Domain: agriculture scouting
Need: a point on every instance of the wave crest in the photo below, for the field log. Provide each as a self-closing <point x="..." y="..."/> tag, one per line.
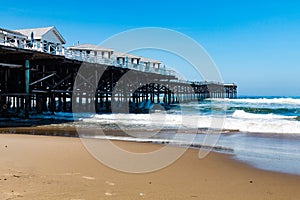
<point x="245" y="115"/>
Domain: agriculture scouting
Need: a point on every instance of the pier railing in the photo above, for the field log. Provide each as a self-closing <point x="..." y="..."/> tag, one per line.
<point x="114" y="62"/>
<point x="34" y="46"/>
<point x="76" y="55"/>
<point x="62" y="51"/>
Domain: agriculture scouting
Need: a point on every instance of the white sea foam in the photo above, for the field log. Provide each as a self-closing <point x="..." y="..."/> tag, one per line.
<point x="178" y="119"/>
<point x="150" y="121"/>
<point x="239" y="120"/>
<point x="262" y="123"/>
<point x="244" y="115"/>
<point x="263" y="100"/>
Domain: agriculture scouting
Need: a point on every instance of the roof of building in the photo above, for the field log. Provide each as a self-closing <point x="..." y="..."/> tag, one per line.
<point x="142" y="59"/>
<point x="123" y="55"/>
<point x="3" y="30"/>
<point x="39" y="32"/>
<point x="229" y="84"/>
<point x="149" y="60"/>
<point x="89" y="47"/>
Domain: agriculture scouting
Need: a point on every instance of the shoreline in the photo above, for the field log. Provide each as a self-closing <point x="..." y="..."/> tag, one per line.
<point x="49" y="167"/>
<point x="137" y="136"/>
<point x="114" y="135"/>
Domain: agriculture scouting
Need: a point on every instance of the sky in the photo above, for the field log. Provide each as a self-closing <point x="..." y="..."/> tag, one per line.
<point x="255" y="44"/>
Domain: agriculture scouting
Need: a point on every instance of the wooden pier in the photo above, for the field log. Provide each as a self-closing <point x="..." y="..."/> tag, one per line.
<point x="35" y="82"/>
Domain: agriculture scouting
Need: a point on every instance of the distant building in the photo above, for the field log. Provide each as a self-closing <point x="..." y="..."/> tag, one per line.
<point x="12" y="38"/>
<point x="150" y="63"/>
<point x="89" y="53"/>
<point x="46" y="39"/>
<point x="125" y="58"/>
<point x="136" y="62"/>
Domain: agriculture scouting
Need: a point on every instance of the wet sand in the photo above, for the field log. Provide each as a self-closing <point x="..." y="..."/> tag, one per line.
<point x="49" y="167"/>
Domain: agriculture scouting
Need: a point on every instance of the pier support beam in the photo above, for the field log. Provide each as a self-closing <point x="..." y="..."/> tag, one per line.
<point x="27" y="97"/>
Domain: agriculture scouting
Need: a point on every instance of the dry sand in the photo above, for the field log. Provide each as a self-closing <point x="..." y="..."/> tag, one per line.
<point x="48" y="167"/>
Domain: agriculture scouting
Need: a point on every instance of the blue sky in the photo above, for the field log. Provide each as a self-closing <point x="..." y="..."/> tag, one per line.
<point x="254" y="44"/>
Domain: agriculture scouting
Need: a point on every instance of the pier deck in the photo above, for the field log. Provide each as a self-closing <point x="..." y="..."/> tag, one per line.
<point x="35" y="82"/>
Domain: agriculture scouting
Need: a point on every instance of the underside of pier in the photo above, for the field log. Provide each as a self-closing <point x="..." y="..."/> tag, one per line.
<point x="36" y="82"/>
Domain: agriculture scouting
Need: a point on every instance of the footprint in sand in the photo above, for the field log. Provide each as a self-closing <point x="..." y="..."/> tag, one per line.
<point x="77" y="199"/>
<point x="10" y="195"/>
<point x="108" y="194"/>
<point x="70" y="174"/>
<point x="88" y="177"/>
<point x="110" y="183"/>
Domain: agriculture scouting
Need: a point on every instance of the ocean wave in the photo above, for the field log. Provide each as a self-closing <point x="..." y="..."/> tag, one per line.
<point x="291" y="101"/>
<point x="239" y="120"/>
<point x="267" y="110"/>
<point x="262" y="123"/>
<point x="245" y="115"/>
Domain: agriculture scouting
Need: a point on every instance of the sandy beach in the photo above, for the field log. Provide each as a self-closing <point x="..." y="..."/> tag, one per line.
<point x="49" y="167"/>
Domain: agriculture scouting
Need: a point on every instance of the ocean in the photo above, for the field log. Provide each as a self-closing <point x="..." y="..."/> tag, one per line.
<point x="261" y="131"/>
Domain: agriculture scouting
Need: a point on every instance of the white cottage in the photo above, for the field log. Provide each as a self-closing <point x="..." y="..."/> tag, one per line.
<point x="90" y="53"/>
<point x="150" y="64"/>
<point x="46" y="39"/>
<point x="137" y="62"/>
<point x="12" y="38"/>
<point x="125" y="58"/>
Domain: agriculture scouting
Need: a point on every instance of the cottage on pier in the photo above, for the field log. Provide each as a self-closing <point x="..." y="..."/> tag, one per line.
<point x="47" y="40"/>
<point x="126" y="59"/>
<point x="151" y="64"/>
<point x="89" y="53"/>
<point x="137" y="62"/>
<point x="12" y="38"/>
